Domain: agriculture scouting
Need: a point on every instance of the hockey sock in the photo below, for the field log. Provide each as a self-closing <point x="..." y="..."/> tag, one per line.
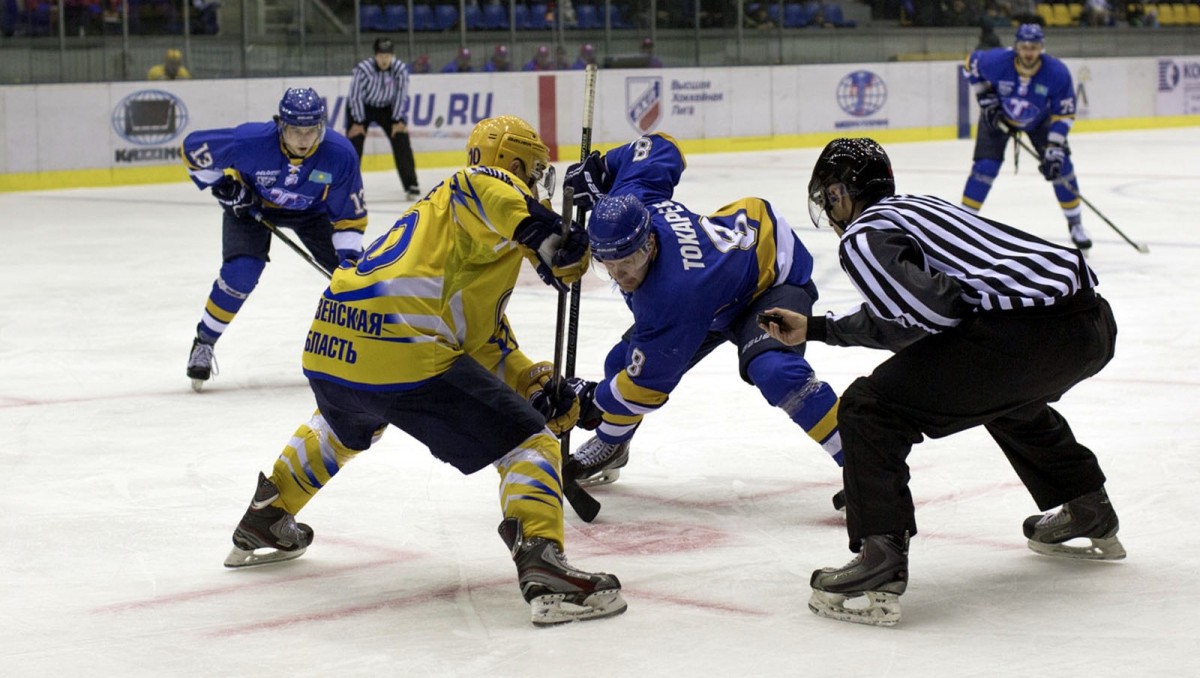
<point x="983" y="173"/>
<point x="787" y="381"/>
<point x="310" y="460"/>
<point x="233" y="285"/>
<point x="531" y="486"/>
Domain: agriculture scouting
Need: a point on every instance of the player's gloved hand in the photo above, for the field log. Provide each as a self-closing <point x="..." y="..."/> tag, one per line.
<point x="990" y="110"/>
<point x="1052" y="161"/>
<point x="590" y="180"/>
<point x="237" y="199"/>
<point x="349" y="256"/>
<point x="559" y="260"/>
<point x="553" y="398"/>
<point x="590" y="414"/>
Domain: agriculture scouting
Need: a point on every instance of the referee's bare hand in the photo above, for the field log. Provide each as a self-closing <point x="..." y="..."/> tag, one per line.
<point x="791" y="331"/>
<point x="399" y="128"/>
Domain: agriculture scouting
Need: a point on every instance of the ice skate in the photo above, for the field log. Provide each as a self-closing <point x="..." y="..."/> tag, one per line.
<point x="202" y="364"/>
<point x="413" y="193"/>
<point x="878" y="575"/>
<point x="267" y="527"/>
<point x="598" y="463"/>
<point x="1089" y="517"/>
<point x="1079" y="236"/>
<point x="556" y="592"/>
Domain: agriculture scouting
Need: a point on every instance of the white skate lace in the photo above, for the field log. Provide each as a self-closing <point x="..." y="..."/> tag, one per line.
<point x="202" y="356"/>
<point x="594" y="452"/>
<point x="1055" y="518"/>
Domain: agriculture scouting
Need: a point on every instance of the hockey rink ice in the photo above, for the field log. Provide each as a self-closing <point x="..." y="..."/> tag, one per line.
<point x="121" y="486"/>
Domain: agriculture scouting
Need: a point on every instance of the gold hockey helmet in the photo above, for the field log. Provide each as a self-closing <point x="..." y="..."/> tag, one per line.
<point x="495" y="142"/>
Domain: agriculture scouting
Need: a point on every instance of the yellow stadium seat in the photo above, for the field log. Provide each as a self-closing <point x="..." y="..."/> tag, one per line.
<point x="1046" y="12"/>
<point x="1062" y="16"/>
<point x="1179" y="11"/>
<point x="1166" y="15"/>
<point x="1074" y="10"/>
<point x="1193" y="14"/>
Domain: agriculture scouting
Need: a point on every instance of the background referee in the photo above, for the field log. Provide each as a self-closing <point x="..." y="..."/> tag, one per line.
<point x="379" y="94"/>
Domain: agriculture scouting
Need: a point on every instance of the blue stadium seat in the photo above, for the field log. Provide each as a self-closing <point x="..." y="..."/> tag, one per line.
<point x="833" y="14"/>
<point x="538" y="17"/>
<point x="615" y="19"/>
<point x="395" y="18"/>
<point x="794" y="16"/>
<point x="423" y="18"/>
<point x="473" y="18"/>
<point x="521" y="17"/>
<point x="445" y="17"/>
<point x="587" y="18"/>
<point x="495" y="17"/>
<point x="773" y="12"/>
<point x="370" y="18"/>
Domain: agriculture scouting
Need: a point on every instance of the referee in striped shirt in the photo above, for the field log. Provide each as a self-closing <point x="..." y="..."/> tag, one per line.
<point x="379" y="94"/>
<point x="989" y="325"/>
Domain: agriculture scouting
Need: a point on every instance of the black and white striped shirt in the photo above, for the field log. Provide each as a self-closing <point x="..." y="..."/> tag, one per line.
<point x="921" y="262"/>
<point x="370" y="86"/>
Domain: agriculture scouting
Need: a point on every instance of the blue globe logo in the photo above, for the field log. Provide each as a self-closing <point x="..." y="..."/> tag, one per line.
<point x="861" y="93"/>
<point x="149" y="117"/>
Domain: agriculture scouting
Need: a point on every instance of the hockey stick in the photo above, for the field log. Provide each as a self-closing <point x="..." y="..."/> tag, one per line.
<point x="291" y="243"/>
<point x="1141" y="247"/>
<point x="585" y="505"/>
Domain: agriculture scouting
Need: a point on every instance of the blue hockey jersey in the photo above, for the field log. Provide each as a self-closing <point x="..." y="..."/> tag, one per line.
<point x="706" y="271"/>
<point x="1028" y="97"/>
<point x="327" y="180"/>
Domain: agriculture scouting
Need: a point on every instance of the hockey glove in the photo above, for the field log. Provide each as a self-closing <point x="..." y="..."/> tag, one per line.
<point x="589" y="179"/>
<point x="557" y="402"/>
<point x="560" y="261"/>
<point x="991" y="112"/>
<point x="237" y="199"/>
<point x="590" y="414"/>
<point x="1052" y="162"/>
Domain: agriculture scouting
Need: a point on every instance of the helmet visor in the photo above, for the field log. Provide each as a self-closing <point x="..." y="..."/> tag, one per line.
<point x="544" y="179"/>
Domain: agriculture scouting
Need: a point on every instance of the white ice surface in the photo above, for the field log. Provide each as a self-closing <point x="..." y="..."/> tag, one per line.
<point x="120" y="487"/>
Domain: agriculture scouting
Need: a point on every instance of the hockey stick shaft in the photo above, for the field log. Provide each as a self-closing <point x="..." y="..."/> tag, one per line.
<point x="292" y="244"/>
<point x="1141" y="247"/>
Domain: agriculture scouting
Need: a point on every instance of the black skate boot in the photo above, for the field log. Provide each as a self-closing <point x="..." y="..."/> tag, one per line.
<point x="1088" y="517"/>
<point x="202" y="365"/>
<point x="1079" y="235"/>
<point x="556" y="592"/>
<point x="267" y="527"/>
<point x="839" y="501"/>
<point x="879" y="572"/>
<point x="597" y="462"/>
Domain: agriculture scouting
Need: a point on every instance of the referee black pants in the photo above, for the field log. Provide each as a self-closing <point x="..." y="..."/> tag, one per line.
<point x="999" y="370"/>
<point x="402" y="153"/>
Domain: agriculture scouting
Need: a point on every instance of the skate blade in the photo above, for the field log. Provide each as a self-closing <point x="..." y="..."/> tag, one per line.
<point x="552" y="609"/>
<point x="880" y="609"/>
<point x="242" y="558"/>
<point x="605" y="477"/>
<point x="1099" y="549"/>
<point x="198" y="385"/>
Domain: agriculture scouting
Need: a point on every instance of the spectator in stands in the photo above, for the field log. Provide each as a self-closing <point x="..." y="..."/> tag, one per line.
<point x="422" y="65"/>
<point x="818" y="20"/>
<point x="587" y="55"/>
<point x="171" y="68"/>
<point x="560" y="58"/>
<point x="959" y="13"/>
<point x="987" y="38"/>
<point x="206" y="17"/>
<point x="757" y="17"/>
<point x="461" y="63"/>
<point x="540" y="61"/>
<point x="498" y="62"/>
<point x="1025" y="12"/>
<point x="648" y="54"/>
<point x="996" y="15"/>
<point x="1096" y="13"/>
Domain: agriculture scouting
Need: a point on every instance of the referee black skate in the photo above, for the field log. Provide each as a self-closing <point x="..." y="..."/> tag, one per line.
<point x="989" y="326"/>
<point x="379" y="94"/>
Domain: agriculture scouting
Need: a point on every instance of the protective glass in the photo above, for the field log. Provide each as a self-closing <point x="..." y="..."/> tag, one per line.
<point x="821" y="199"/>
<point x="544" y="178"/>
<point x="297" y="138"/>
<point x="626" y="269"/>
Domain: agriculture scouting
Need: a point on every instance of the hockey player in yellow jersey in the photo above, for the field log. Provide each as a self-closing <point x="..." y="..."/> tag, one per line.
<point x="415" y="335"/>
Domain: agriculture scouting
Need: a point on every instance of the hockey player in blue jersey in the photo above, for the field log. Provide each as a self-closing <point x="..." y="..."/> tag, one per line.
<point x="1022" y="89"/>
<point x="693" y="283"/>
<point x="293" y="173"/>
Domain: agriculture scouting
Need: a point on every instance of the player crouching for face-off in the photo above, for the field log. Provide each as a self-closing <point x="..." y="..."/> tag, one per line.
<point x="415" y="335"/>
<point x="977" y="343"/>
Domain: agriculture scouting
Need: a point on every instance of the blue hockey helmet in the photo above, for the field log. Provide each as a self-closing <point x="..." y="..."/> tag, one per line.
<point x="1030" y="33"/>
<point x="302" y="108"/>
<point x="619" y="227"/>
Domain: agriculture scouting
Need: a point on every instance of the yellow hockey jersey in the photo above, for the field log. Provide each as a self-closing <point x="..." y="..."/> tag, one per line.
<point x="430" y="290"/>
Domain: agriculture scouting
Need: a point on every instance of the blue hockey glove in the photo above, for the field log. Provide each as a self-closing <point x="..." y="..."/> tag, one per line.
<point x="590" y="414"/>
<point x="1052" y="162"/>
<point x="589" y="179"/>
<point x="237" y="199"/>
<point x="559" y="261"/>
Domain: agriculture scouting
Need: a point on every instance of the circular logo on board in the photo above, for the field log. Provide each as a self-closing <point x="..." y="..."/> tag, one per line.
<point x="149" y="117"/>
<point x="861" y="93"/>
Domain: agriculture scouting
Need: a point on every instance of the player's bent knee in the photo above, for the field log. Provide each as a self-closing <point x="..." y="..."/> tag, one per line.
<point x="242" y="273"/>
